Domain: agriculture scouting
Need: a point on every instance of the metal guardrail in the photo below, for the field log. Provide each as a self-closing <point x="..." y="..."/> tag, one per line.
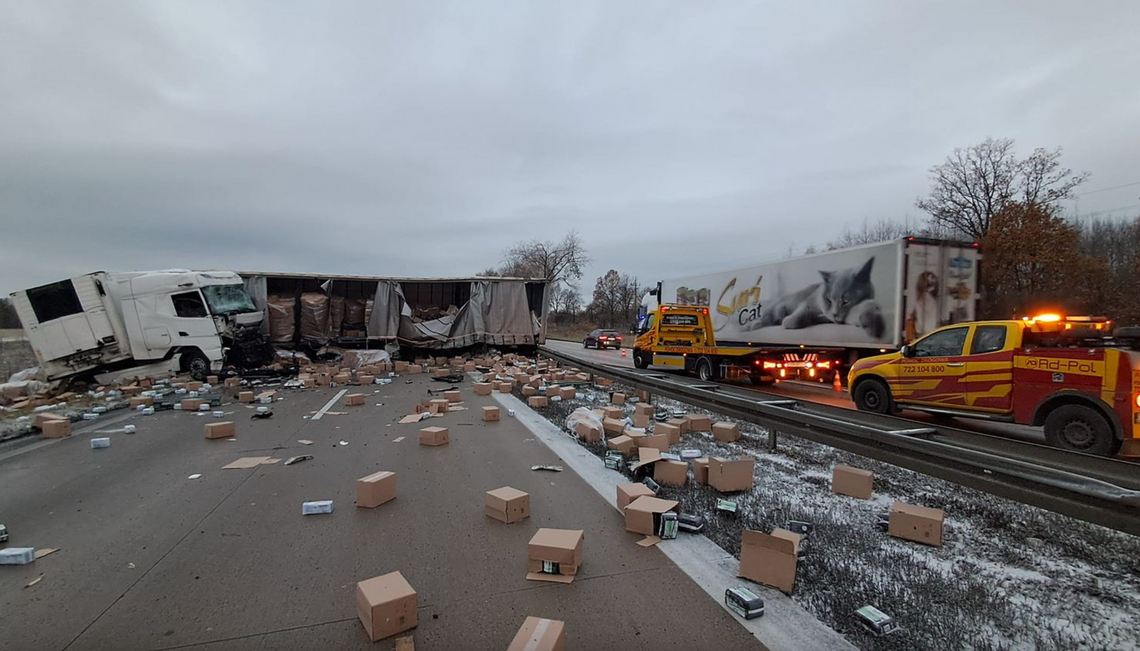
<point x="1096" y="499"/>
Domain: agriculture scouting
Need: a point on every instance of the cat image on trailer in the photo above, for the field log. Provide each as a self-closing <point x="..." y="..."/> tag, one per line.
<point x="846" y="296"/>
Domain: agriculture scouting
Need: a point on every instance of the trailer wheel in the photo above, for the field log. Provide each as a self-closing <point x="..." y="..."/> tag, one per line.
<point x="639" y="359"/>
<point x="705" y="369"/>
<point x="873" y="396"/>
<point x="196" y="364"/>
<point x="1080" y="428"/>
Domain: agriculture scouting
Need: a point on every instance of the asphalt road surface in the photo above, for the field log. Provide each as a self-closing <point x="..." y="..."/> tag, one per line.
<point x="822" y="394"/>
<point x="150" y="559"/>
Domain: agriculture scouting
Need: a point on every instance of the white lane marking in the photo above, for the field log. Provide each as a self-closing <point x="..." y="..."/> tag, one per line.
<point x="329" y="404"/>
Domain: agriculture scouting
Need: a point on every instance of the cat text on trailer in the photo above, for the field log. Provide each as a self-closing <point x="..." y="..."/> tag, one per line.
<point x="810" y="316"/>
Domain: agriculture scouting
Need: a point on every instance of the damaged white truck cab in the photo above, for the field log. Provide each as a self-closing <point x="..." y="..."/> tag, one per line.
<point x="105" y="320"/>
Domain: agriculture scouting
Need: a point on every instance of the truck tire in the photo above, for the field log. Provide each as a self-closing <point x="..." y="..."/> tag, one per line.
<point x="196" y="364"/>
<point x="1080" y="428"/>
<point x="873" y="396"/>
<point x="639" y="359"/>
<point x="705" y="370"/>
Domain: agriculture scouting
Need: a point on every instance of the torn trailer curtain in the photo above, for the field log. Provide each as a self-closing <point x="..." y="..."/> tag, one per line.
<point x="255" y="287"/>
<point x="497" y="313"/>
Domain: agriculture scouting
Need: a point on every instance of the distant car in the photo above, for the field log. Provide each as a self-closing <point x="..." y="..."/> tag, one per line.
<point x="602" y="339"/>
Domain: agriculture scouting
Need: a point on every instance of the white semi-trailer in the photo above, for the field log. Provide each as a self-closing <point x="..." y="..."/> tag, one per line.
<point x="106" y="320"/>
<point x="812" y="315"/>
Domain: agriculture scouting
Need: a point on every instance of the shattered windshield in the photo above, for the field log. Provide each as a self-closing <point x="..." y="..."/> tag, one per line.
<point x="227" y="299"/>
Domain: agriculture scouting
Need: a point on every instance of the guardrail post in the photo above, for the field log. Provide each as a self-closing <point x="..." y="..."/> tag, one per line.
<point x="772" y="434"/>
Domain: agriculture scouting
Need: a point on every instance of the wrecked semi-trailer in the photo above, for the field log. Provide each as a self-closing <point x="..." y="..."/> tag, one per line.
<point x="412" y="314"/>
<point x="101" y="321"/>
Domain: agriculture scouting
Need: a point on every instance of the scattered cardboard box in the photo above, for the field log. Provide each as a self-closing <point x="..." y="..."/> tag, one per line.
<point x="671" y="473"/>
<point x="770" y="559"/>
<point x="453" y="396"/>
<point x="641" y="421"/>
<point x="613" y="425"/>
<point x="854" y="482"/>
<point x="730" y="476"/>
<point x="434" y="436"/>
<point x="644" y="409"/>
<point x="529" y="391"/>
<point x="342" y="378"/>
<point x="553" y="391"/>
<point x="222" y="430"/>
<point x="698" y="422"/>
<point x="482" y="388"/>
<point x="917" y="523"/>
<point x="554" y="555"/>
<point x="414" y="369"/>
<point x="671" y="432"/>
<point x="364" y="378"/>
<point x="490" y="414"/>
<point x="613" y="412"/>
<point x="701" y="471"/>
<point x="507" y="504"/>
<point x="618" y="398"/>
<point x="643" y="515"/>
<point x="232" y="382"/>
<point x="726" y="432"/>
<point x="386" y="605"/>
<point x="141" y="401"/>
<point x="191" y="404"/>
<point x="538" y="634"/>
<point x="659" y="441"/>
<point x="569" y="393"/>
<point x="588" y="432"/>
<point x="193" y="386"/>
<point x="506" y="387"/>
<point x="627" y="493"/>
<point x="646" y="456"/>
<point x="375" y="489"/>
<point x="56" y="428"/>
<point x="537" y="401"/>
<point x="623" y="444"/>
<point x="245" y="396"/>
<point x="680" y="423"/>
<point x="354" y="400"/>
<point x="439" y="405"/>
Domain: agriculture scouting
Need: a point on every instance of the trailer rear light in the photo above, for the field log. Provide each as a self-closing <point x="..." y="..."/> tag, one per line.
<point x="783" y="373"/>
<point x="824" y="364"/>
<point x="811" y="372"/>
<point x="705" y="310"/>
<point x="808" y="364"/>
<point x="768" y="364"/>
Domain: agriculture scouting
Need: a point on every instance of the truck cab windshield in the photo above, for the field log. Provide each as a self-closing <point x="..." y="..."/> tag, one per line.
<point x="227" y="299"/>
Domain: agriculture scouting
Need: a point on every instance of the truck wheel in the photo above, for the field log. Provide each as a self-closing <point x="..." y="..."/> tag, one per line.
<point x="705" y="369"/>
<point x="196" y="364"/>
<point x="873" y="396"/>
<point x="1080" y="428"/>
<point x="639" y="359"/>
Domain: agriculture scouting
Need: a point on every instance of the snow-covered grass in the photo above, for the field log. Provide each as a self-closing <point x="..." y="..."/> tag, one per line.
<point x="1008" y="576"/>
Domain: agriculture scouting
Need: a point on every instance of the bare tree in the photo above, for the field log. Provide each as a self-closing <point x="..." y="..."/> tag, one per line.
<point x="1115" y="246"/>
<point x="974" y="184"/>
<point x="490" y="272"/>
<point x="880" y="231"/>
<point x="606" y="306"/>
<point x="555" y="261"/>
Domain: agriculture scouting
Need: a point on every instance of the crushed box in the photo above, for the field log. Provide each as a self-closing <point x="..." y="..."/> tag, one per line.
<point x="726" y="432"/>
<point x="222" y="430"/>
<point x="917" y="523"/>
<point x="854" y="482"/>
<point x="670" y="473"/>
<point x="588" y="432"/>
<point x="386" y="605"/>
<point x="490" y="414"/>
<point x="375" y="489"/>
<point x="439" y="405"/>
<point x="730" y="476"/>
<point x="538" y="634"/>
<point x="770" y="559"/>
<point x="507" y="504"/>
<point x="627" y="493"/>
<point x="434" y="436"/>
<point x="554" y="555"/>
<point x="643" y="515"/>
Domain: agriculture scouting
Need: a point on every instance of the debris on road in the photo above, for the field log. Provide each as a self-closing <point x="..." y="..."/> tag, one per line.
<point x="249" y="462"/>
<point x="649" y="541"/>
<point x="538" y="634"/>
<point x="554" y="555"/>
<point x="317" y="507"/>
<point x="876" y="621"/>
<point x="195" y="476"/>
<point x="386" y="605"/>
<point x="304" y="441"/>
<point x="342" y="443"/>
<point x="507" y="504"/>
<point x="398" y="439"/>
<point x="744" y="602"/>
<point x="34" y="581"/>
<point x="298" y="459"/>
<point x="100" y="443"/>
<point x="375" y="489"/>
<point x="17" y="555"/>
<point x="547" y="467"/>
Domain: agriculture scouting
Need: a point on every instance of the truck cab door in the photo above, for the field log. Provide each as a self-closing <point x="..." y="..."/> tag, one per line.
<point x="192" y="324"/>
<point x="935" y="373"/>
<point x="989" y="369"/>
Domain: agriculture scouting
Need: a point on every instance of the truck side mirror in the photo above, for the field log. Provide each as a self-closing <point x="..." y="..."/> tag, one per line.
<point x="907" y="351"/>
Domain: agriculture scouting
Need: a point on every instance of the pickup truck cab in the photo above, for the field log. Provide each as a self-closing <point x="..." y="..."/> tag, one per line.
<point x="1064" y="374"/>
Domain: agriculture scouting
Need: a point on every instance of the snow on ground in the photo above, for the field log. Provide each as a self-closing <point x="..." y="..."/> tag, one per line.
<point x="1008" y="576"/>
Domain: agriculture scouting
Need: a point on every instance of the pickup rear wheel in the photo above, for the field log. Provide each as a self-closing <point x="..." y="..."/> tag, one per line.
<point x="1080" y="428"/>
<point x="705" y="369"/>
<point x="639" y="359"/>
<point x="873" y="396"/>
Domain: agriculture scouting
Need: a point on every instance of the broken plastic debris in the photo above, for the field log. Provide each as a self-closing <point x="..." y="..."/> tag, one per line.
<point x="203" y="407"/>
<point x="262" y="415"/>
<point x="148" y="411"/>
<point x="511" y="413"/>
<point x="40" y="553"/>
<point x="801" y="527"/>
<point x="304" y="441"/>
<point x="398" y="439"/>
<point x="90" y="416"/>
<point x="195" y="475"/>
<point x="344" y="443"/>
<point x="34" y="581"/>
<point x="99" y="410"/>
<point x="298" y="459"/>
<point x="547" y="467"/>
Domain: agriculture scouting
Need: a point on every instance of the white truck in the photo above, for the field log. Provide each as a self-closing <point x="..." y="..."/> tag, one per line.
<point x="810" y="316"/>
<point x="102" y="321"/>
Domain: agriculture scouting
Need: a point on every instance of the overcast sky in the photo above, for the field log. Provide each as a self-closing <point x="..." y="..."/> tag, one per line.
<point x="421" y="138"/>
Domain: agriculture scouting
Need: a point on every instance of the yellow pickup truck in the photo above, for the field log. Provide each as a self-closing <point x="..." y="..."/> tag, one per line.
<point x="1065" y="374"/>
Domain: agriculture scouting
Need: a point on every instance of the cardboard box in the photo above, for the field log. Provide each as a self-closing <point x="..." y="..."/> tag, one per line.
<point x="680" y="423"/>
<point x="603" y="382"/>
<point x="222" y="430"/>
<point x="613" y="425"/>
<point x="569" y="393"/>
<point x="726" y="432"/>
<point x="507" y="504"/>
<point x="267" y="396"/>
<point x="245" y="396"/>
<point x="375" y="489"/>
<point x="342" y="378"/>
<point x="468" y="367"/>
<point x="636" y="434"/>
<point x="671" y="473"/>
<point x="731" y="476"/>
<point x="769" y="559"/>
<point x="670" y="432"/>
<point x="482" y="388"/>
<point x="453" y="396"/>
<point x="193" y="386"/>
<point x="618" y="398"/>
<point x="529" y="391"/>
<point x="855" y="482"/>
<point x="441" y="372"/>
<point x="698" y="422"/>
<point x="415" y="369"/>
<point x="701" y="471"/>
<point x="643" y="408"/>
<point x="537" y="401"/>
<point x="641" y="421"/>
<point x="401" y="367"/>
<point x="434" y="436"/>
<point x="140" y="401"/>
<point x="917" y="523"/>
<point x="232" y="382"/>
<point x="627" y="493"/>
<point x="56" y="428"/>
<point x="386" y="605"/>
<point x="539" y="634"/>
<point x="323" y="379"/>
<point x="192" y="404"/>
<point x="45" y="416"/>
<point x="439" y="405"/>
<point x="364" y="378"/>
<point x="212" y="380"/>
<point x="622" y="444"/>
<point x="643" y="515"/>
<point x="495" y="385"/>
<point x="613" y="412"/>
<point x="553" y="390"/>
<point x="309" y="383"/>
<point x="561" y="547"/>
<point x="506" y="387"/>
<point x="587" y="432"/>
<point x="658" y="441"/>
<point x="490" y="414"/>
<point x="354" y="400"/>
